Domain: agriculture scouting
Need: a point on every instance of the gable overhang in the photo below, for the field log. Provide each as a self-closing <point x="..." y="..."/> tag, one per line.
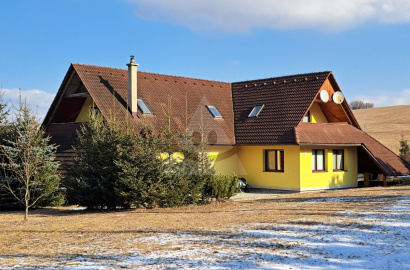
<point x="57" y="99"/>
<point x="341" y="111"/>
<point x="375" y="161"/>
<point x="330" y="144"/>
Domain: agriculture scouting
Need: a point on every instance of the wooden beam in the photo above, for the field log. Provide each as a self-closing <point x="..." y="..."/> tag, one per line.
<point x="85" y="94"/>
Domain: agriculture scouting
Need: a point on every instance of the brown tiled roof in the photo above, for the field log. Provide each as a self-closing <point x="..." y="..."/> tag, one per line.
<point x="286" y="100"/>
<point x="108" y="88"/>
<point x="333" y="134"/>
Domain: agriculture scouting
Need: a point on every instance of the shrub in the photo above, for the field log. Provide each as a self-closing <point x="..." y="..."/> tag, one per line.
<point x="221" y="187"/>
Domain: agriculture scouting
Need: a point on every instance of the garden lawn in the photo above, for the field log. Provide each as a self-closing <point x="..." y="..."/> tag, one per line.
<point x="366" y="228"/>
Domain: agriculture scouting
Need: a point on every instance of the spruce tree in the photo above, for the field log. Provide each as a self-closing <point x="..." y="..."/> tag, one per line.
<point x="404" y="149"/>
<point x="29" y="171"/>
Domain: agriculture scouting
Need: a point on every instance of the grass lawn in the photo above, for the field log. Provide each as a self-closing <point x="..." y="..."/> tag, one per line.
<point x="366" y="228"/>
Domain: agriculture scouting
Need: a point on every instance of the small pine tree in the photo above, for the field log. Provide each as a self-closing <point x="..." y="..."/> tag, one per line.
<point x="91" y="179"/>
<point x="29" y="171"/>
<point x="404" y="149"/>
<point x="119" y="166"/>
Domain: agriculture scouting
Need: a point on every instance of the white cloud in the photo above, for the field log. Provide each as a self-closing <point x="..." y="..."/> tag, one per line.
<point x="387" y="98"/>
<point x="39" y="101"/>
<point x="245" y="15"/>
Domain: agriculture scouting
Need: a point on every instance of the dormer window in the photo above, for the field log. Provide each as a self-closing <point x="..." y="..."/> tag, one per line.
<point x="256" y="110"/>
<point x="143" y="106"/>
<point x="212" y="109"/>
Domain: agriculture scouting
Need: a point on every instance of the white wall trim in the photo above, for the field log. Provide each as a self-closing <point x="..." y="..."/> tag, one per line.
<point x="277" y="188"/>
<point x="331" y="187"/>
<point x="305" y="189"/>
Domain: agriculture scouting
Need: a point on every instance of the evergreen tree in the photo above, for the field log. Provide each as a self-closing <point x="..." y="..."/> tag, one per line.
<point x="140" y="181"/>
<point x="3" y="112"/>
<point x="185" y="179"/>
<point x="404" y="149"/>
<point x="102" y="174"/>
<point x="7" y="200"/>
<point x="120" y="166"/>
<point x="29" y="171"/>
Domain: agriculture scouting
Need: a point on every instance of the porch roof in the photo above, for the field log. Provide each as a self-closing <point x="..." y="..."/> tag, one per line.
<point x="333" y="134"/>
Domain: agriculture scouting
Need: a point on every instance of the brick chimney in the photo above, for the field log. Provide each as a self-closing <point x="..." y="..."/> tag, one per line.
<point x="132" y="87"/>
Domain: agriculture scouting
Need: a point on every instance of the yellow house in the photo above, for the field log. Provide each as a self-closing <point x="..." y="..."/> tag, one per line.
<point x="292" y="132"/>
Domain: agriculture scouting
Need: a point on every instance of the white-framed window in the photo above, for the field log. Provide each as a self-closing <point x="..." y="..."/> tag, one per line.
<point x="143" y="106"/>
<point x="215" y="113"/>
<point x="256" y="110"/>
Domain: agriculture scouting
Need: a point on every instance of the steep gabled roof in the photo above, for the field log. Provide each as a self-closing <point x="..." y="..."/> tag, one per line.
<point x="286" y="101"/>
<point x="108" y="88"/>
<point x="333" y="134"/>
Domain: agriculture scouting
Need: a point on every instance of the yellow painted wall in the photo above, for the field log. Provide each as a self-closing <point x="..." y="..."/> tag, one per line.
<point x="252" y="167"/>
<point x="84" y="114"/>
<point x="226" y="159"/>
<point x="316" y="114"/>
<point x="328" y="179"/>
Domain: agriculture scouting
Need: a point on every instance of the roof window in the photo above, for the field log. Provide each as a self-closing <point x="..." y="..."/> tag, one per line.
<point x="212" y="109"/>
<point x="256" y="110"/>
<point x="143" y="106"/>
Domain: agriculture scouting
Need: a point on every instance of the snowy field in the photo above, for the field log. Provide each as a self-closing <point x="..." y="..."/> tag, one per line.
<point x="348" y="240"/>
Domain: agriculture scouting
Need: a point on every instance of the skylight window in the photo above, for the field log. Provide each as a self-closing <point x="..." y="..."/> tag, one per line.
<point x="212" y="109"/>
<point x="256" y="110"/>
<point x="143" y="106"/>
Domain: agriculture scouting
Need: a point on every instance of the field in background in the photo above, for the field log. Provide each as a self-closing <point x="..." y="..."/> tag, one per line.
<point x="386" y="124"/>
<point x="364" y="228"/>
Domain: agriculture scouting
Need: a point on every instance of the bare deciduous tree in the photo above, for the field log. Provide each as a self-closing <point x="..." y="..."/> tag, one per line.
<point x="27" y="161"/>
<point x="360" y="105"/>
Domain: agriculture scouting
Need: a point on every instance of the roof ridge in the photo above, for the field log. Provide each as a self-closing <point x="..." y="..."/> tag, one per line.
<point x="79" y="64"/>
<point x="152" y="73"/>
<point x="287" y="76"/>
<point x="183" y="77"/>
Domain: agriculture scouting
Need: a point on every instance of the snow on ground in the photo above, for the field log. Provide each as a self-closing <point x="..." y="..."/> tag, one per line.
<point x="369" y="240"/>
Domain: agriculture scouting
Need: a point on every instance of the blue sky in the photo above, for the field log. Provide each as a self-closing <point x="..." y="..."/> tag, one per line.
<point x="365" y="43"/>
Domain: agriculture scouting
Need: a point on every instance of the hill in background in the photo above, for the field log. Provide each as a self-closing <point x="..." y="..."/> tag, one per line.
<point x="386" y="124"/>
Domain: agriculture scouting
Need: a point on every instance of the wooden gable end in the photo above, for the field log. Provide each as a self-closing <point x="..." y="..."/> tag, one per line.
<point x="334" y="113"/>
<point x="69" y="100"/>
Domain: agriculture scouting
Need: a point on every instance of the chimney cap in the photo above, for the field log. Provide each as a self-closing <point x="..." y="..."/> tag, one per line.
<point x="132" y="62"/>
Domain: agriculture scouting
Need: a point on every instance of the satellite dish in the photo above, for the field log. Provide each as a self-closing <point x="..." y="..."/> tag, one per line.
<point x="338" y="97"/>
<point x="324" y="96"/>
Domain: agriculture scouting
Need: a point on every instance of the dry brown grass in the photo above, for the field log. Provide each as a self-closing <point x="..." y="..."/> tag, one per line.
<point x="61" y="232"/>
<point x="386" y="124"/>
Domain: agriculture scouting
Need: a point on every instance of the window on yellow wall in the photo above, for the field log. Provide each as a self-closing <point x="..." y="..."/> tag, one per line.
<point x="95" y="111"/>
<point x="274" y="160"/>
<point x="318" y="160"/>
<point x="338" y="160"/>
<point x="306" y="118"/>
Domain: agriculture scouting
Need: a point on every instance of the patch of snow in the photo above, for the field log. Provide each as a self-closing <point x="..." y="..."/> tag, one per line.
<point x="356" y="240"/>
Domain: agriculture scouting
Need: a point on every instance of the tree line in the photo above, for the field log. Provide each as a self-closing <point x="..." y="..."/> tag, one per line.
<point x="355" y="105"/>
